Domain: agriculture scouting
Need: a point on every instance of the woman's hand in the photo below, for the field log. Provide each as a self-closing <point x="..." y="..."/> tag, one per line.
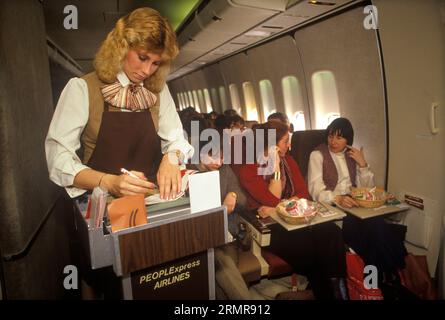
<point x="346" y="201"/>
<point x="169" y="176"/>
<point x="357" y="155"/>
<point x="275" y="155"/>
<point x="230" y="202"/>
<point x="125" y="185"/>
<point x="265" y="211"/>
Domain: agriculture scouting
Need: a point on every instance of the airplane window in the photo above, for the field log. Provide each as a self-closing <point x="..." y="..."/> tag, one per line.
<point x="293" y="101"/>
<point x="184" y="100"/>
<point x="331" y="117"/>
<point x="297" y="120"/>
<point x="222" y="95"/>
<point x="180" y="101"/>
<point x="195" y="99"/>
<point x="325" y="95"/>
<point x="187" y="100"/>
<point x="234" y="98"/>
<point x="267" y="98"/>
<point x="201" y="101"/>
<point x="208" y="102"/>
<point x="190" y="101"/>
<point x="215" y="98"/>
<point x="249" y="97"/>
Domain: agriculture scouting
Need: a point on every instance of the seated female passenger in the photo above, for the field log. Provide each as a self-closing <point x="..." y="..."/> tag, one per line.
<point x="229" y="281"/>
<point x="232" y="195"/>
<point x="317" y="251"/>
<point x="334" y="168"/>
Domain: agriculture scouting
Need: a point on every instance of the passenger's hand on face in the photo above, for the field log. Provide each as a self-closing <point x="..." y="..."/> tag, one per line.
<point x="125" y="185"/>
<point x="346" y="201"/>
<point x="357" y="155"/>
<point x="169" y="177"/>
<point x="230" y="202"/>
<point x="265" y="211"/>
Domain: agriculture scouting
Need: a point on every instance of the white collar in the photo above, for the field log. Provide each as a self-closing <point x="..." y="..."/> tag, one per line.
<point x="338" y="154"/>
<point x="123" y="79"/>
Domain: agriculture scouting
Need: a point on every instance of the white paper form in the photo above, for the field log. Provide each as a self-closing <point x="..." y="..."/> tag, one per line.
<point x="204" y="191"/>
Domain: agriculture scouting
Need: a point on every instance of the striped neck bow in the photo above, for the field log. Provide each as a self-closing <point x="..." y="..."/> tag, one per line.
<point x="132" y="97"/>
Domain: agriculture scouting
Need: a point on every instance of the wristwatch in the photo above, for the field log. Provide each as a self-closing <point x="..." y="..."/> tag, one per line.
<point x="179" y="155"/>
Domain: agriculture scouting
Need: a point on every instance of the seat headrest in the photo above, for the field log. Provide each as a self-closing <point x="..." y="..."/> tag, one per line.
<point x="302" y="144"/>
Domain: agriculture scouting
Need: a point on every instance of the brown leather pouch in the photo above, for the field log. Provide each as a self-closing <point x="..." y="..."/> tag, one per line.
<point x="127" y="212"/>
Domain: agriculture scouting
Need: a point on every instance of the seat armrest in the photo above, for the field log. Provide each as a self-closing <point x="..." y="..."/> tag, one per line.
<point x="258" y="228"/>
<point x="262" y="225"/>
<point x="261" y="233"/>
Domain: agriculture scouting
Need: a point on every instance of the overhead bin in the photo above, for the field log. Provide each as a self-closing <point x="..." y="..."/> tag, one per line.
<point x="218" y="22"/>
<point x="224" y="27"/>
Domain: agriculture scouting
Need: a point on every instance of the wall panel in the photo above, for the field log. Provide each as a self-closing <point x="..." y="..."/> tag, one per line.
<point x="342" y="45"/>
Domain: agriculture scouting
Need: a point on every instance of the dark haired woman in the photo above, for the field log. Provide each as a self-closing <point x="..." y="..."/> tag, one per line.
<point x="334" y="168"/>
<point x="317" y="251"/>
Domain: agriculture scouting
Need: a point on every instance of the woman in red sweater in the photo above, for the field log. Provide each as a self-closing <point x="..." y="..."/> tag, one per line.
<point x="317" y="251"/>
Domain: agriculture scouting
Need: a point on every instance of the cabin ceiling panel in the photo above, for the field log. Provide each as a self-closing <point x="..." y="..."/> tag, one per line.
<point x="285" y="21"/>
<point x="244" y="40"/>
<point x="182" y="60"/>
<point x="239" y="28"/>
<point x="97" y="18"/>
<point x="218" y="23"/>
<point x="305" y="8"/>
<point x="279" y="5"/>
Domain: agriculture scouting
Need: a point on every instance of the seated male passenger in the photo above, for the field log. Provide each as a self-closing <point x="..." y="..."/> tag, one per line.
<point x="335" y="167"/>
<point x="317" y="251"/>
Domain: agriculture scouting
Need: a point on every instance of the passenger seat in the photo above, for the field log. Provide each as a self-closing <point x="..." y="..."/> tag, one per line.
<point x="302" y="144"/>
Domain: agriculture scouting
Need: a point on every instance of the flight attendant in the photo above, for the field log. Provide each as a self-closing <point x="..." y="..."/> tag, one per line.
<point x="121" y="115"/>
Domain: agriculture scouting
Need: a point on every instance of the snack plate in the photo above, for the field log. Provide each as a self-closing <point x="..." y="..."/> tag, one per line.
<point x="296" y="212"/>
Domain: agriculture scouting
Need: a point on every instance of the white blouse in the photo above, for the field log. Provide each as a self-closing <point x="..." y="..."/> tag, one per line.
<point x="70" y="119"/>
<point x="317" y="188"/>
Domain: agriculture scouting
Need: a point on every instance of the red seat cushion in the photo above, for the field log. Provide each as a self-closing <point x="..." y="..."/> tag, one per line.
<point x="277" y="266"/>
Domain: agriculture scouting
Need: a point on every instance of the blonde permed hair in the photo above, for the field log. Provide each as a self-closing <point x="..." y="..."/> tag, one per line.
<point x="145" y="29"/>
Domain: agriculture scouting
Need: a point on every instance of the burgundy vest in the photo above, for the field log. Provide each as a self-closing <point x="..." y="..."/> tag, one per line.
<point x="330" y="174"/>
